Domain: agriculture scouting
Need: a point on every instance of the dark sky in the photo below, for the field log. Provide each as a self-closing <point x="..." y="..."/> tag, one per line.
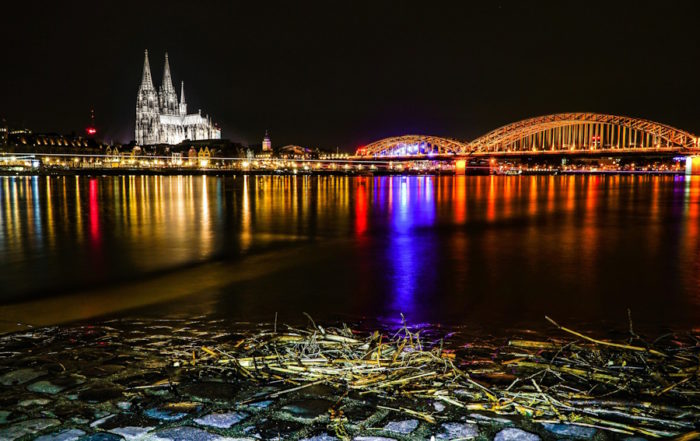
<point x="338" y="73"/>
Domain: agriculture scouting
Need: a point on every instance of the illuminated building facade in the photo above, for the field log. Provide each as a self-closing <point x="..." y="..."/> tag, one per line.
<point x="266" y="144"/>
<point x="162" y="119"/>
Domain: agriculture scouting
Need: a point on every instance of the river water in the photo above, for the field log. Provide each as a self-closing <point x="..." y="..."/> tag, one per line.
<point x="487" y="252"/>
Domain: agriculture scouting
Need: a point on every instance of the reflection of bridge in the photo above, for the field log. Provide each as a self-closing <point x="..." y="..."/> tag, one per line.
<point x="562" y="133"/>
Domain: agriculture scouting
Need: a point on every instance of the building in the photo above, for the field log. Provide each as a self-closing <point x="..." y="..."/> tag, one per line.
<point x="162" y="119"/>
<point x="267" y="144"/>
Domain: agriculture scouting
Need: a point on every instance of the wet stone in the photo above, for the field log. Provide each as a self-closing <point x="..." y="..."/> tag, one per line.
<point x="307" y="409"/>
<point x="439" y="407"/>
<point x="20" y="376"/>
<point x="490" y="419"/>
<point x="211" y="390"/>
<point x="102" y="436"/>
<point x="403" y="427"/>
<point x="321" y="437"/>
<point x="165" y="414"/>
<point x="221" y="420"/>
<point x="4" y="415"/>
<point x="458" y="430"/>
<point x="131" y="432"/>
<point x="102" y="371"/>
<point x="512" y="434"/>
<point x="27" y="427"/>
<point x="101" y="392"/>
<point x="65" y="435"/>
<point x="34" y="402"/>
<point x="45" y="387"/>
<point x="570" y="430"/>
<point x="278" y="429"/>
<point x="186" y="433"/>
<point x="372" y="438"/>
<point x="125" y="420"/>
<point x="260" y="404"/>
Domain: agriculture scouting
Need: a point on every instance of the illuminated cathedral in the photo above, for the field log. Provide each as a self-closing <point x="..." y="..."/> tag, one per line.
<point x="162" y="119"/>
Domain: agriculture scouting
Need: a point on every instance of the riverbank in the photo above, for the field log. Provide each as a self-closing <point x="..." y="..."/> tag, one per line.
<point x="339" y="172"/>
<point x="201" y="379"/>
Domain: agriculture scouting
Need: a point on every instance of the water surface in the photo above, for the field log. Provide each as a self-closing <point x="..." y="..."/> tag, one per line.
<point x="488" y="252"/>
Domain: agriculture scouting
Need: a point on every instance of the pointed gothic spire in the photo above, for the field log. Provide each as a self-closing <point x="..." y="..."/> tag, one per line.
<point x="146" y="80"/>
<point x="167" y="79"/>
<point x="182" y="92"/>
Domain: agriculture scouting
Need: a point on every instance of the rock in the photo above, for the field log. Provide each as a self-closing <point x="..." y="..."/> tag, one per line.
<point x="102" y="436"/>
<point x="101" y="419"/>
<point x="308" y="409"/>
<point x="458" y="430"/>
<point x="27" y="427"/>
<point x="491" y="419"/>
<point x="101" y="392"/>
<point x="372" y="438"/>
<point x="4" y="415"/>
<point x="20" y="376"/>
<point x="187" y="433"/>
<point x="45" y="387"/>
<point x="221" y="420"/>
<point x="261" y="404"/>
<point x="65" y="435"/>
<point x="211" y="390"/>
<point x="321" y="437"/>
<point x="34" y="402"/>
<point x="131" y="432"/>
<point x="403" y="427"/>
<point x="439" y="407"/>
<point x="164" y="414"/>
<point x="512" y="434"/>
<point x="570" y="430"/>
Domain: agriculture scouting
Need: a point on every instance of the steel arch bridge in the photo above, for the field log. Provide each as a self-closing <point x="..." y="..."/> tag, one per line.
<point x="412" y="145"/>
<point x="583" y="132"/>
<point x="561" y="133"/>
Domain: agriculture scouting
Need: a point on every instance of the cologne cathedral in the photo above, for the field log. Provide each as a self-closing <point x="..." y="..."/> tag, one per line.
<point x="162" y="119"/>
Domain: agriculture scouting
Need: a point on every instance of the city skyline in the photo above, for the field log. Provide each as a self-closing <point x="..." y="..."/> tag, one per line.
<point x="347" y="75"/>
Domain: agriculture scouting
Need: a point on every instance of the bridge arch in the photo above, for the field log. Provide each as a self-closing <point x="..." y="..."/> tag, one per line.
<point x="583" y="132"/>
<point x="412" y="145"/>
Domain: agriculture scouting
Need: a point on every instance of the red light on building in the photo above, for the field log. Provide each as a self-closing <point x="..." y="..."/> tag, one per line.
<point x="91" y="131"/>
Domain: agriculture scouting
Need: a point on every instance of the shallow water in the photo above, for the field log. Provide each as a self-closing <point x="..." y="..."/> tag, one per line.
<point x="486" y="252"/>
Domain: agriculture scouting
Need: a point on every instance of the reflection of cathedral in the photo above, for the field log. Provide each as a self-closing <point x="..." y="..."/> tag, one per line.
<point x="161" y="119"/>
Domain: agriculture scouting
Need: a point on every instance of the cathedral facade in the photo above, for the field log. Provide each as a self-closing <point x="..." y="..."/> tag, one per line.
<point x="162" y="119"/>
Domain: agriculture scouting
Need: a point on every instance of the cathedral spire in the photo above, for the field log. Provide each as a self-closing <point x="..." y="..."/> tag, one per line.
<point x="146" y="80"/>
<point x="183" y="104"/>
<point x="167" y="79"/>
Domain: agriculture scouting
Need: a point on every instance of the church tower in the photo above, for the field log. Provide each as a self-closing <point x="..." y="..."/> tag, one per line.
<point x="266" y="144"/>
<point x="183" y="103"/>
<point x="147" y="119"/>
<point x="168" y="97"/>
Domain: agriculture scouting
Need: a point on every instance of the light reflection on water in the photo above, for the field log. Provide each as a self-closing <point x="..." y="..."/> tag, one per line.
<point x="453" y="249"/>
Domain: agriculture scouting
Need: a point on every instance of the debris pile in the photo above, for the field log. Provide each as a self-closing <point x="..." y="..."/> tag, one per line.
<point x="634" y="387"/>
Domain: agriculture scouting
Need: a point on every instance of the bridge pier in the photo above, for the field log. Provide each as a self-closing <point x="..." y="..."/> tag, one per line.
<point x="692" y="165"/>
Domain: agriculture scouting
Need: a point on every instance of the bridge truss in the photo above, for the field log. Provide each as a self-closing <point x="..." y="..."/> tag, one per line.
<point x="413" y="145"/>
<point x="561" y="133"/>
<point x="575" y="132"/>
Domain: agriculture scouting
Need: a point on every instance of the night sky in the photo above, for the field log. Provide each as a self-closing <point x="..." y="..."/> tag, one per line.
<point x="341" y="74"/>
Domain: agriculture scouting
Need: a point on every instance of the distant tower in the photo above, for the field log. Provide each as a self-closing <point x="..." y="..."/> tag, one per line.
<point x="91" y="129"/>
<point x="168" y="97"/>
<point x="147" y="118"/>
<point x="183" y="103"/>
<point x="267" y="144"/>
